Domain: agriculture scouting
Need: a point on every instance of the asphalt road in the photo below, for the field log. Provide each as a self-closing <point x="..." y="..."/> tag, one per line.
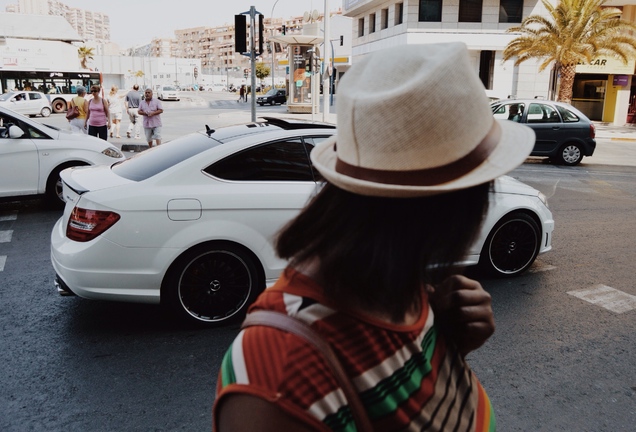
<point x="555" y="363"/>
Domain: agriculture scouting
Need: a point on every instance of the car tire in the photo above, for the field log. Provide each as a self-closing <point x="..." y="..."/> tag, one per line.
<point x="511" y="246"/>
<point x="46" y="111"/>
<point x="260" y="104"/>
<point x="59" y="106"/>
<point x="570" y="154"/>
<point x="212" y="284"/>
<point x="53" y="194"/>
<point x="272" y="102"/>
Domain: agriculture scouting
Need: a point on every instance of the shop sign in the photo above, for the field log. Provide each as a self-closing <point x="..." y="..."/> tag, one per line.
<point x="620" y="80"/>
<point x="607" y="65"/>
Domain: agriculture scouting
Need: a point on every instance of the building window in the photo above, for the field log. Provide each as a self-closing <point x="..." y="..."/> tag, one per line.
<point x="384" y="19"/>
<point x="486" y="68"/>
<point x="510" y="11"/>
<point x="470" y="10"/>
<point x="430" y="10"/>
<point x="371" y="23"/>
<point x="361" y="27"/>
<point x="399" y="12"/>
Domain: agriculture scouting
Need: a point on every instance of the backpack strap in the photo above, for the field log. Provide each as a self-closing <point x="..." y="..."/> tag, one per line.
<point x="299" y="328"/>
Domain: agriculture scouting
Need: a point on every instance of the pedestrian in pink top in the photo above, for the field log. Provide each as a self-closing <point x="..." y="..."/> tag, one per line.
<point x="151" y="109"/>
<point x="98" y="116"/>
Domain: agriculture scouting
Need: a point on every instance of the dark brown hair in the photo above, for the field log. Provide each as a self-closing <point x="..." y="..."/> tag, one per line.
<point x="378" y="252"/>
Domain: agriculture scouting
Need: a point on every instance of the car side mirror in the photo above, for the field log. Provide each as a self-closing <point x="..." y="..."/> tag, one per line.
<point x="15" y="132"/>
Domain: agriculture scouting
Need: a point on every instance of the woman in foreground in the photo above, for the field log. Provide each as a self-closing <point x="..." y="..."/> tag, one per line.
<point x="373" y="259"/>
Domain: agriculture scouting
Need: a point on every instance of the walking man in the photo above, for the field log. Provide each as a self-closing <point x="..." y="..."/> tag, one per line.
<point x="133" y="98"/>
<point x="151" y="110"/>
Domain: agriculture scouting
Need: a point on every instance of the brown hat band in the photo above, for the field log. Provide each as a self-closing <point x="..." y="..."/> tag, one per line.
<point x="428" y="176"/>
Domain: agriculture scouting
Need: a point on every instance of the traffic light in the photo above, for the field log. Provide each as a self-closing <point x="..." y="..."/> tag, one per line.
<point x="341" y="40"/>
<point x="246" y="72"/>
<point x="240" y="33"/>
<point x="260" y="34"/>
<point x="283" y="29"/>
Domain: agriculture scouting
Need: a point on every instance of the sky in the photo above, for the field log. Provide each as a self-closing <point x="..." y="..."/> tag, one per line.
<point x="137" y="22"/>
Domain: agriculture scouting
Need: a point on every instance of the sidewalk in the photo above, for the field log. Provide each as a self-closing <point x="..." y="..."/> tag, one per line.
<point x="615" y="133"/>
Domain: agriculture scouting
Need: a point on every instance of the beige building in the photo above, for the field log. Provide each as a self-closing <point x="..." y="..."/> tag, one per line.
<point x="214" y="46"/>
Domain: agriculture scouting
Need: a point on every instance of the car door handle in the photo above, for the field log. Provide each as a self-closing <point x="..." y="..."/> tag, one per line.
<point x="556" y="127"/>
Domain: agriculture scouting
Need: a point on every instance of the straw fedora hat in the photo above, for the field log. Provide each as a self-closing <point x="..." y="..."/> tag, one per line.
<point x="415" y="121"/>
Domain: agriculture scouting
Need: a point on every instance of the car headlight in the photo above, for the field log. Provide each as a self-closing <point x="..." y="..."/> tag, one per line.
<point x="112" y="152"/>
<point x="543" y="199"/>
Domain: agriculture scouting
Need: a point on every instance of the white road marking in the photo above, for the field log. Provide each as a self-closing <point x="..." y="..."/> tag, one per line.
<point x="3" y="260"/>
<point x="540" y="267"/>
<point x="9" y="217"/>
<point x="607" y="297"/>
<point x="5" y="236"/>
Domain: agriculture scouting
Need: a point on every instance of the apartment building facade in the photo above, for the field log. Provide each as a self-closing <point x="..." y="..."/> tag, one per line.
<point x="482" y="25"/>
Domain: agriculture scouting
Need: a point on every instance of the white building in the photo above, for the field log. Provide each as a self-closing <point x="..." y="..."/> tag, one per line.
<point x="482" y="25"/>
<point x="91" y="26"/>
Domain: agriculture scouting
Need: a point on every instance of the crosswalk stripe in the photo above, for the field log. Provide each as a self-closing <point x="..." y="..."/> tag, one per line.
<point x="607" y="297"/>
<point x="5" y="236"/>
<point x="9" y="217"/>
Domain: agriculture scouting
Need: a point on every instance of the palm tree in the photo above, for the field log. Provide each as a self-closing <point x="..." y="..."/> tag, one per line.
<point x="85" y="54"/>
<point x="576" y="31"/>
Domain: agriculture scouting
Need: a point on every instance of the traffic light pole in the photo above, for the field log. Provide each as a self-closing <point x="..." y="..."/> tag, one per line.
<point x="253" y="61"/>
<point x="252" y="53"/>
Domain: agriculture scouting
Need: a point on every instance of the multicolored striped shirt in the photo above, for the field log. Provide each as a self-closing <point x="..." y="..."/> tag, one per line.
<point x="408" y="376"/>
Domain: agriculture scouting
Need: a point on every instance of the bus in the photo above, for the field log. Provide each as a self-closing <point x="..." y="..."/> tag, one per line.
<point x="59" y="86"/>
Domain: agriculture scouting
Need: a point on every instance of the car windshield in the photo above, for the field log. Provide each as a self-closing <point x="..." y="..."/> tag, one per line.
<point x="6" y="96"/>
<point x="153" y="161"/>
<point x="168" y="88"/>
<point x="272" y="92"/>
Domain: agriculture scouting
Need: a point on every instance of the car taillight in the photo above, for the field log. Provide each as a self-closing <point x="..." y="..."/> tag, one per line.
<point x="592" y="130"/>
<point x="84" y="225"/>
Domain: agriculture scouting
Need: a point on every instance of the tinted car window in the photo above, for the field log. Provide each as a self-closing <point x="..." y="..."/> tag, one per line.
<point x="34" y="96"/>
<point x="162" y="157"/>
<point x="311" y="143"/>
<point x="281" y="160"/>
<point x="567" y="115"/>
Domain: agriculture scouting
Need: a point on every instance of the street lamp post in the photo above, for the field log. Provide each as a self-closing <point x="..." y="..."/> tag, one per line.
<point x="271" y="44"/>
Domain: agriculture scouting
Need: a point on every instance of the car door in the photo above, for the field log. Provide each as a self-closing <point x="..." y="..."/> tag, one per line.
<point x="19" y="160"/>
<point x="546" y="122"/>
<point x="270" y="183"/>
<point x="34" y="103"/>
<point x="22" y="105"/>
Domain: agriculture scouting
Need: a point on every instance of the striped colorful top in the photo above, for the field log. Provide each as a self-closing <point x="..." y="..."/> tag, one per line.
<point x="407" y="376"/>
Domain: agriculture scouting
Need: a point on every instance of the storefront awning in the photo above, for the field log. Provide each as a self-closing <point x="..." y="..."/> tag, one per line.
<point x="297" y="39"/>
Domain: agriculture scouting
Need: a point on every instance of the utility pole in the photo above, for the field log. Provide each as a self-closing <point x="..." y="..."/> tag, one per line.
<point x="272" y="44"/>
<point x="326" y="84"/>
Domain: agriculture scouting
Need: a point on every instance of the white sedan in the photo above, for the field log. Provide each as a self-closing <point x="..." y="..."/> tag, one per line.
<point x="32" y="156"/>
<point x="190" y="223"/>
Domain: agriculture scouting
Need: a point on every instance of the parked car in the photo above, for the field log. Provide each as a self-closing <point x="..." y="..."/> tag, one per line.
<point x="32" y="156"/>
<point x="190" y="224"/>
<point x="564" y="134"/>
<point x="29" y="103"/>
<point x="168" y="93"/>
<point x="272" y="97"/>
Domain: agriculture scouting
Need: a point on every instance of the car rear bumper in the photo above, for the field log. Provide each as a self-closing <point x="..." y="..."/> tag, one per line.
<point x="108" y="271"/>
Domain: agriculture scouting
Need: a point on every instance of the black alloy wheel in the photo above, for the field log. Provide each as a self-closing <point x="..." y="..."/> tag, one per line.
<point x="512" y="245"/>
<point x="213" y="284"/>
